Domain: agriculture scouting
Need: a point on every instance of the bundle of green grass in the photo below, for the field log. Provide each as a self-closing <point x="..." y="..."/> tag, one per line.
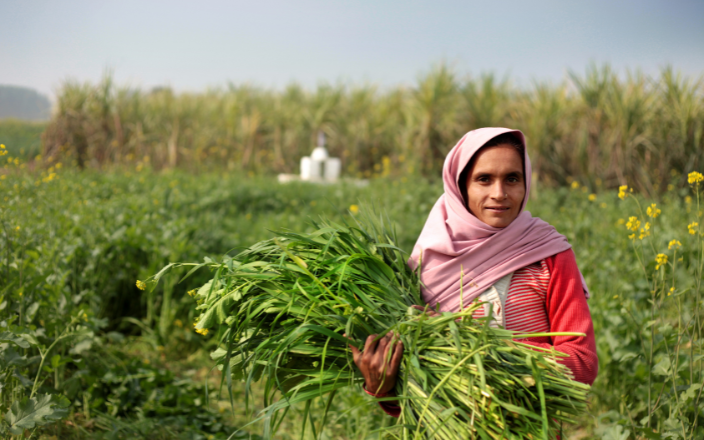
<point x="282" y="306"/>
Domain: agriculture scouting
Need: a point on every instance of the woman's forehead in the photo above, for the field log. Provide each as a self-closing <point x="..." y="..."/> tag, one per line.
<point x="498" y="158"/>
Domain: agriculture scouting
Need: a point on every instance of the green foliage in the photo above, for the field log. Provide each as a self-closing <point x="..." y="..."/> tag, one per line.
<point x="23" y="139"/>
<point x="594" y="126"/>
<point x="74" y="245"/>
<point x="72" y="248"/>
<point x="30" y="412"/>
<point x="282" y="308"/>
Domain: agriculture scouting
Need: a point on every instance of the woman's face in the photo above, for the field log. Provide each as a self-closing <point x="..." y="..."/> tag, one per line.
<point x="496" y="185"/>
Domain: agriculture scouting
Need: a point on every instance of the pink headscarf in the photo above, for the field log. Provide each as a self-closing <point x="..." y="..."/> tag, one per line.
<point x="454" y="240"/>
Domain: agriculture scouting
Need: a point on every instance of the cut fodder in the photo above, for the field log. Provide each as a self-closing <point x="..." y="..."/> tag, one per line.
<point x="281" y="307"/>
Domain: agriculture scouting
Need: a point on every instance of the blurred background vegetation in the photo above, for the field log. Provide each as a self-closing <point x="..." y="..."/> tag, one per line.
<point x="121" y="182"/>
<point x="593" y="127"/>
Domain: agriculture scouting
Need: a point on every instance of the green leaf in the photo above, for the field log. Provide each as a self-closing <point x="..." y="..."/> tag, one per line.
<point x="648" y="433"/>
<point x="628" y="356"/>
<point x="10" y="357"/>
<point x="29" y="338"/>
<point x="31" y="311"/>
<point x="28" y="413"/>
<point x="15" y="339"/>
<point x="662" y="368"/>
<point x="615" y="432"/>
<point x="691" y="392"/>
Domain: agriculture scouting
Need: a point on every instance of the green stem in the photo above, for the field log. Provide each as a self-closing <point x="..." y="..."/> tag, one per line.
<point x="46" y="353"/>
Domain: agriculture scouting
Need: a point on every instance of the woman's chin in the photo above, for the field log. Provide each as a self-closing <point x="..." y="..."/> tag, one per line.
<point x="499" y="221"/>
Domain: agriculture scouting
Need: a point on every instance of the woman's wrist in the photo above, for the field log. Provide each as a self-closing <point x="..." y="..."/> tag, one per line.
<point x="377" y="395"/>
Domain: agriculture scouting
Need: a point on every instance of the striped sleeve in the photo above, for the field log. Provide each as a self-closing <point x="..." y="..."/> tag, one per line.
<point x="568" y="312"/>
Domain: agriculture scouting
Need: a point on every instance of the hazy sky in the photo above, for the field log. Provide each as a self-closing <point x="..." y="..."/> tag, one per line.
<point x="192" y="45"/>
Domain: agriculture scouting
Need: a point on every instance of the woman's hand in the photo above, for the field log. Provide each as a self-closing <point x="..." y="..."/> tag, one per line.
<point x="430" y="312"/>
<point x="379" y="373"/>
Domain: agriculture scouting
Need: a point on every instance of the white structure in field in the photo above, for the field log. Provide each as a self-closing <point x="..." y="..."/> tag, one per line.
<point x="319" y="167"/>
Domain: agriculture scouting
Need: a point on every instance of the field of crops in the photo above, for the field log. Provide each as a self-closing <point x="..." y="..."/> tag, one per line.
<point x="594" y="126"/>
<point x="122" y="182"/>
<point x="82" y="343"/>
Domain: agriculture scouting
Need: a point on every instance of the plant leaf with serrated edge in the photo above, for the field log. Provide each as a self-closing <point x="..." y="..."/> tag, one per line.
<point x="42" y="410"/>
<point x="15" y="339"/>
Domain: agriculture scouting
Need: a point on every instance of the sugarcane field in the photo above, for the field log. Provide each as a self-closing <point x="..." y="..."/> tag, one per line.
<point x="458" y="254"/>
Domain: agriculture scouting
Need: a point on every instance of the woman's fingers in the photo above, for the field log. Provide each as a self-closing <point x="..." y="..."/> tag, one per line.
<point x="389" y="353"/>
<point x="385" y="353"/>
<point x="396" y="357"/>
<point x="430" y="312"/>
<point x="355" y="351"/>
<point x="382" y="347"/>
<point x="370" y="346"/>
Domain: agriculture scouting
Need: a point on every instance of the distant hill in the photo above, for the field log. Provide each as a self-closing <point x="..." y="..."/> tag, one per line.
<point x="23" y="103"/>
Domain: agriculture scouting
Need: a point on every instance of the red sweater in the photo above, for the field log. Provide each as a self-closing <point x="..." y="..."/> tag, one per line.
<point x="548" y="296"/>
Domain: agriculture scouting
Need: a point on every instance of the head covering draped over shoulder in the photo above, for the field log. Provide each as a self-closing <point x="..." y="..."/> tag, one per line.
<point x="455" y="245"/>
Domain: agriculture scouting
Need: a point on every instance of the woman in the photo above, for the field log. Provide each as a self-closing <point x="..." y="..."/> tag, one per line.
<point x="519" y="266"/>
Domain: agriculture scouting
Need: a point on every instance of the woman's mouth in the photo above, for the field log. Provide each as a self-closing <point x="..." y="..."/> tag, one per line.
<point x="497" y="209"/>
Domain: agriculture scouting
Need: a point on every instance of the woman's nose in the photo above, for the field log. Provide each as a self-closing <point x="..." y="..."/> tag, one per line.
<point x="498" y="191"/>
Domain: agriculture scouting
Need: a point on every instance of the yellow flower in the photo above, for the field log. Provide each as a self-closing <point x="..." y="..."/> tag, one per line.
<point x="688" y="200"/>
<point x="354" y="209"/>
<point x="632" y="237"/>
<point x="633" y="224"/>
<point x="660" y="260"/>
<point x="653" y="211"/>
<point x="178" y="323"/>
<point x="693" y="227"/>
<point x="622" y="194"/>
<point x="695" y="177"/>
<point x="672" y="290"/>
<point x="615" y="296"/>
<point x="3" y="151"/>
<point x="141" y="285"/>
<point x="575" y="185"/>
<point x="674" y="244"/>
<point x="592" y="197"/>
<point x="192" y="292"/>
<point x="202" y="331"/>
<point x="644" y="232"/>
